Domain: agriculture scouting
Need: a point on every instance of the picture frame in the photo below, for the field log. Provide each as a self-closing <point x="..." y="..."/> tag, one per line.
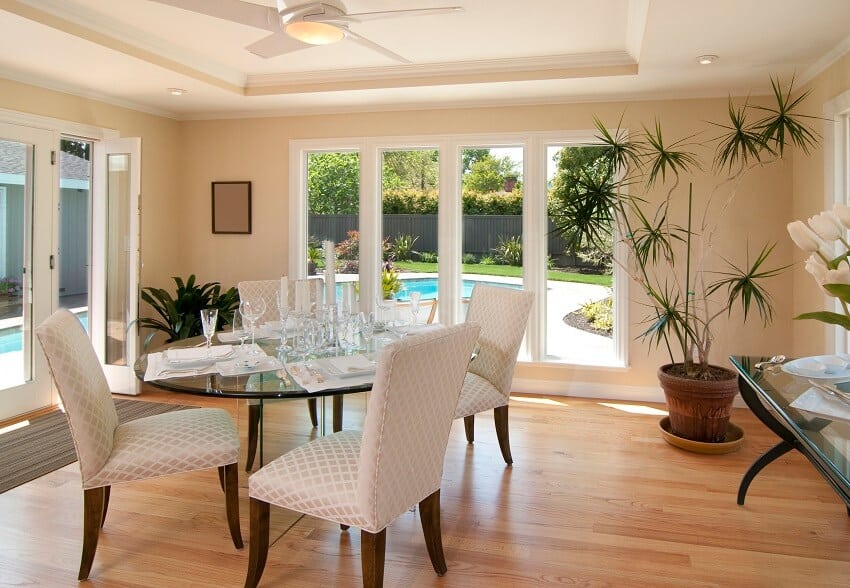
<point x="231" y="208"/>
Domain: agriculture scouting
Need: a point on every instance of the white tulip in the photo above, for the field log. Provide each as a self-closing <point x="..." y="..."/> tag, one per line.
<point x="827" y="226"/>
<point x="840" y="275"/>
<point x="805" y="238"/>
<point x="842" y="212"/>
<point x="816" y="267"/>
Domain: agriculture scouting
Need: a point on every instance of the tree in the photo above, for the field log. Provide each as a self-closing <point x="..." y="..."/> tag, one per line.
<point x="488" y="174"/>
<point x="333" y="182"/>
<point x="470" y="156"/>
<point x="417" y="168"/>
<point x="81" y="149"/>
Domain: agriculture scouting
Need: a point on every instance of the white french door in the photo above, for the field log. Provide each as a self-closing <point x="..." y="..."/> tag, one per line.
<point x="27" y="234"/>
<point x="115" y="259"/>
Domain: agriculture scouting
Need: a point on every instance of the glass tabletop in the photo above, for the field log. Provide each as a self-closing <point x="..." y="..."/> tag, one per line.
<point x="269" y="384"/>
<point x="826" y="438"/>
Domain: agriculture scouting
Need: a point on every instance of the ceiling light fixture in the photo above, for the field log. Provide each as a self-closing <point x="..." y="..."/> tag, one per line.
<point x="314" y="33"/>
<point x="707" y="59"/>
<point x="177" y="91"/>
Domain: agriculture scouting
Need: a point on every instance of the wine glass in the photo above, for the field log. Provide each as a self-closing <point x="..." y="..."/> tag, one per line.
<point x="240" y="330"/>
<point x="252" y="310"/>
<point x="209" y="319"/>
<point x="283" y="314"/>
<point x="367" y="329"/>
<point x="415" y="298"/>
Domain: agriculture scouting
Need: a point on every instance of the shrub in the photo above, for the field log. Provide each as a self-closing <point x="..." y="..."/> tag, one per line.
<point x="390" y="282"/>
<point x="402" y="247"/>
<point x="428" y="256"/>
<point x="600" y="314"/>
<point x="509" y="250"/>
<point x="469" y="258"/>
<point x="492" y="202"/>
<point x="10" y="285"/>
<point x="409" y="201"/>
<point x="487" y="260"/>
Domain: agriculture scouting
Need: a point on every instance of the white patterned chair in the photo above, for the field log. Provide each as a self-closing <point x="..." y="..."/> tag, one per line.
<point x="149" y="447"/>
<point x="269" y="290"/>
<point x="368" y="481"/>
<point x="503" y="315"/>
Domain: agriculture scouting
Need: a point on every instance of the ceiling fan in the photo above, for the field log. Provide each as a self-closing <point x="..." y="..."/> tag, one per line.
<point x="302" y="25"/>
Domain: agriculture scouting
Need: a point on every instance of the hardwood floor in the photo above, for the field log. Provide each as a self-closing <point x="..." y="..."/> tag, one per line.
<point x="595" y="498"/>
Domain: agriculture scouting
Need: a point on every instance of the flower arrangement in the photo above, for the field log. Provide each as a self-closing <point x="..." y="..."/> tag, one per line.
<point x="821" y="237"/>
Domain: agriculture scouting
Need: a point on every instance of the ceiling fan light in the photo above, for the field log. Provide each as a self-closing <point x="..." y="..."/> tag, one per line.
<point x="314" y="33"/>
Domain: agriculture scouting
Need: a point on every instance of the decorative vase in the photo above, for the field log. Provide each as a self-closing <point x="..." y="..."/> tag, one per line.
<point x="699" y="409"/>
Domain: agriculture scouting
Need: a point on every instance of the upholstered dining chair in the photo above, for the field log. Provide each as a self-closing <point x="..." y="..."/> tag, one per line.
<point x="269" y="290"/>
<point x="368" y="481"/>
<point x="503" y="315"/>
<point x="111" y="453"/>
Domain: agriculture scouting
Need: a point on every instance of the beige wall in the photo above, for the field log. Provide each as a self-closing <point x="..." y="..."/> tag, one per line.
<point x="257" y="150"/>
<point x="811" y="195"/>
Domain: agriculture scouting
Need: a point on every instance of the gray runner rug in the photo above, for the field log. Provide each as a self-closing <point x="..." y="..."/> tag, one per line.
<point x="45" y="444"/>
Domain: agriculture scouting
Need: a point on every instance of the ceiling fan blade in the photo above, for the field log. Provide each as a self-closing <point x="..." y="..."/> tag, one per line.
<point x="246" y="13"/>
<point x="275" y="44"/>
<point x="363" y="16"/>
<point x="374" y="46"/>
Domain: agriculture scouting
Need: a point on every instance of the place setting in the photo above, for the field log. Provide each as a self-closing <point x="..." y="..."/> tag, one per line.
<point x="824" y="374"/>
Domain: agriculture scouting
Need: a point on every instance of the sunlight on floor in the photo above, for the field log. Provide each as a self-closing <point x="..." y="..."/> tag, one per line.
<point x="635" y="408"/>
<point x="530" y="400"/>
<point x="14" y="427"/>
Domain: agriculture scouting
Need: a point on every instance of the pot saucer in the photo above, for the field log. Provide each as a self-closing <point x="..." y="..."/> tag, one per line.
<point x="732" y="442"/>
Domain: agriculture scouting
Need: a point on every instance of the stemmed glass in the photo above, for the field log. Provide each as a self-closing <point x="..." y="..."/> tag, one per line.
<point x="367" y="329"/>
<point x="283" y="314"/>
<point x="415" y="297"/>
<point x="209" y="319"/>
<point x="240" y="330"/>
<point x="251" y="311"/>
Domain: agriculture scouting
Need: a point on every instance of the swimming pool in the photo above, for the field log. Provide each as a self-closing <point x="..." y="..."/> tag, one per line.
<point x="427" y="287"/>
<point x="12" y="339"/>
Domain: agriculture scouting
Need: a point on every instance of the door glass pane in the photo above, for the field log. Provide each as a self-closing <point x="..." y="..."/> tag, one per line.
<point x="74" y="226"/>
<point x="409" y="196"/>
<point x="492" y="192"/>
<point x="117" y="256"/>
<point x="333" y="208"/>
<point x="16" y="161"/>
<point x="579" y="293"/>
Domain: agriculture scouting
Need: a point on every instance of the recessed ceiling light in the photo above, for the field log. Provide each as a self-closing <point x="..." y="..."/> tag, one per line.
<point x="177" y="91"/>
<point x="707" y="59"/>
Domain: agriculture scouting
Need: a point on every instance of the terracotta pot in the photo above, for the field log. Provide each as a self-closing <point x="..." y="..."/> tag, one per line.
<point x="699" y="409"/>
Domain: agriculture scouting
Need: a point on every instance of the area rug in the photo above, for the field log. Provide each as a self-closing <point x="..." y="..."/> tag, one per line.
<point x="45" y="444"/>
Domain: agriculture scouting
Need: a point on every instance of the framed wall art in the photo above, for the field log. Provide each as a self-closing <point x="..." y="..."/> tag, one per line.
<point x="231" y="208"/>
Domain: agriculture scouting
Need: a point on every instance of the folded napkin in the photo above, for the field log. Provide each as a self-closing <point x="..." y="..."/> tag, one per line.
<point x="240" y="367"/>
<point x="184" y="355"/>
<point x="159" y="368"/>
<point x="317" y="375"/>
<point x="346" y="366"/>
<point x="820" y="403"/>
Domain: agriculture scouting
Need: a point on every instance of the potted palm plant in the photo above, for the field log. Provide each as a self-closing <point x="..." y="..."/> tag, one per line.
<point x="686" y="289"/>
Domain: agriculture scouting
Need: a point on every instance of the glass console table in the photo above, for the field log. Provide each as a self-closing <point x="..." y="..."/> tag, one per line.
<point x="825" y="442"/>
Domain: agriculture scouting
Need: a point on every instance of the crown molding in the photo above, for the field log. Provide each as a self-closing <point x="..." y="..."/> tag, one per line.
<point x="638" y="13"/>
<point x="823" y="62"/>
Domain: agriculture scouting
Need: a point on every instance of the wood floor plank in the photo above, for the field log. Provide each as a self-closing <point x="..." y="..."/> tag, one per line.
<point x="595" y="498"/>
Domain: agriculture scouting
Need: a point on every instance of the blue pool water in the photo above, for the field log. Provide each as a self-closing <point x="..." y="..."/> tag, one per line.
<point x="12" y="339"/>
<point x="428" y="288"/>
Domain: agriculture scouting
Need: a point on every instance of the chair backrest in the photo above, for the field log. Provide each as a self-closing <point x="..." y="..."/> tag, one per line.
<point x="315" y="286"/>
<point x="408" y="419"/>
<point x="268" y="290"/>
<point x="503" y="315"/>
<point x="83" y="388"/>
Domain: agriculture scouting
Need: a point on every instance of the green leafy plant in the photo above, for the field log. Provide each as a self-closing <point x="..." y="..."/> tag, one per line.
<point x="671" y="262"/>
<point x="487" y="260"/>
<point x="468" y="258"/>
<point x="428" y="256"/>
<point x="402" y="247"/>
<point x="179" y="315"/>
<point x="600" y="314"/>
<point x="509" y="250"/>
<point x="10" y="286"/>
<point x="390" y="282"/>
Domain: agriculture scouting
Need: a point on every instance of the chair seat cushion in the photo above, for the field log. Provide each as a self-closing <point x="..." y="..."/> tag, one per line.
<point x="319" y="479"/>
<point x="477" y="396"/>
<point x="169" y="443"/>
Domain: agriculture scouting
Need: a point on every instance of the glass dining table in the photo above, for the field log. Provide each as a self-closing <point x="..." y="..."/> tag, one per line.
<point x="257" y="389"/>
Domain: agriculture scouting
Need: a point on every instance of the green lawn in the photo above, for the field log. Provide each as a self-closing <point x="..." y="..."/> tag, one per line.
<point x="509" y="271"/>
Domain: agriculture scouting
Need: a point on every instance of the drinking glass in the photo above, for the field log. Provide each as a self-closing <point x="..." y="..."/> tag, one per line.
<point x="240" y="330"/>
<point x="283" y="314"/>
<point x="367" y="329"/>
<point x="415" y="298"/>
<point x="209" y="319"/>
<point x="252" y="310"/>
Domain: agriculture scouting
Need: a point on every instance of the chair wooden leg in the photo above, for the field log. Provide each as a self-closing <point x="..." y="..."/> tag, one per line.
<point x="346" y="527"/>
<point x="337" y="419"/>
<point x="314" y="412"/>
<point x="231" y="502"/>
<point x="259" y="542"/>
<point x="429" y="514"/>
<point x="92" y="519"/>
<point x="105" y="504"/>
<point x="372" y="549"/>
<point x="500" y="414"/>
<point x="253" y="434"/>
<point x="469" y="426"/>
<point x="221" y="478"/>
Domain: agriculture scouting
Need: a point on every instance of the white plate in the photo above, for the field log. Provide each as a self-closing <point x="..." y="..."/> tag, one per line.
<point x="835" y="368"/>
<point x="196" y="356"/>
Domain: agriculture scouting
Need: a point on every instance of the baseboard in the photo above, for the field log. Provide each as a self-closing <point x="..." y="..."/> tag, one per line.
<point x="595" y="390"/>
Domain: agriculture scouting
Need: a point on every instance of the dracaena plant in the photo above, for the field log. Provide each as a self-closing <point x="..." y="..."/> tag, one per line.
<point x="685" y="290"/>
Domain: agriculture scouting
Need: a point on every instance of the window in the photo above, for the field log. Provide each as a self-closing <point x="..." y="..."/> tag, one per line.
<point x="462" y="209"/>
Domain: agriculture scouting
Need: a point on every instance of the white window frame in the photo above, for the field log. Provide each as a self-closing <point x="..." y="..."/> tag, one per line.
<point x="450" y="148"/>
